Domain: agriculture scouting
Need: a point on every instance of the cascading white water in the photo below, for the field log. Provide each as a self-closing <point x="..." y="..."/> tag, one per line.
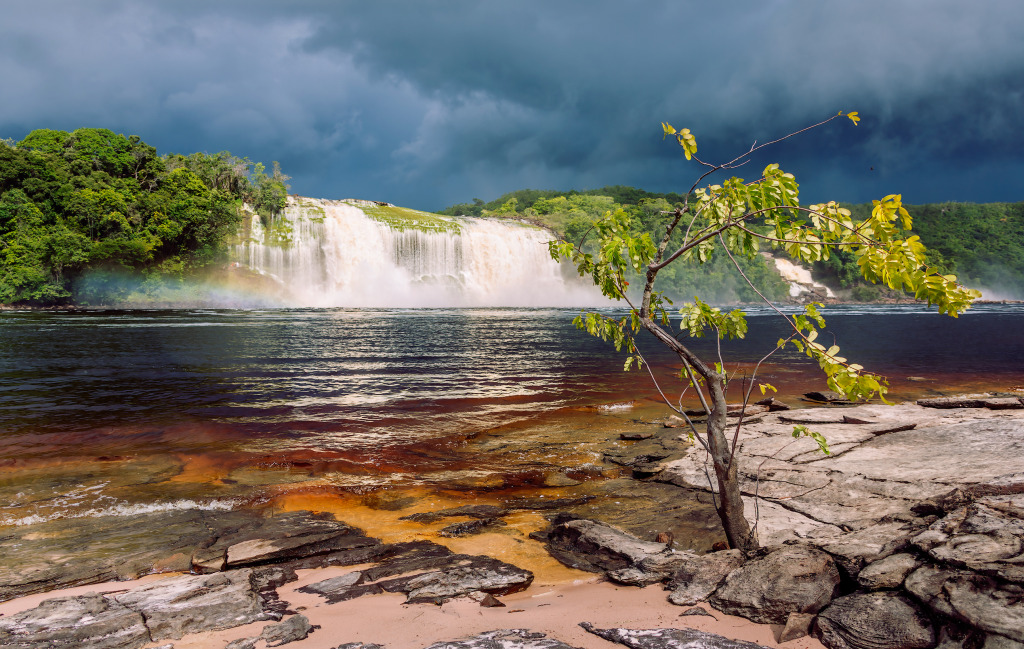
<point x="331" y="253"/>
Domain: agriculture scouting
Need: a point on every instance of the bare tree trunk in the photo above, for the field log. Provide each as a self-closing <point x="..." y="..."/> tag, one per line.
<point x="730" y="502"/>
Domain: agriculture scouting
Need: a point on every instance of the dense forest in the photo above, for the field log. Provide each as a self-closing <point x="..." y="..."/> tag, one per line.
<point x="81" y="210"/>
<point x="982" y="243"/>
<point x="94" y="205"/>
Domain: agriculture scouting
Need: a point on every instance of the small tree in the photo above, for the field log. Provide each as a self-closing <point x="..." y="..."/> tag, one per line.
<point x="735" y="218"/>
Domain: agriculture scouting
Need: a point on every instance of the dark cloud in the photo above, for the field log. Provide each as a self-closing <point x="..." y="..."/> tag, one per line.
<point x="430" y="103"/>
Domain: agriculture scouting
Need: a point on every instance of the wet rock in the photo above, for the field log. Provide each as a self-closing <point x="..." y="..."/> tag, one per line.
<point x="471" y="511"/>
<point x="294" y="628"/>
<point x="669" y="638"/>
<point x="503" y="639"/>
<point x="774" y="405"/>
<point x="825" y="396"/>
<point x="952" y="402"/>
<point x="634" y="437"/>
<point x="176" y="606"/>
<point x="291" y="535"/>
<point x="86" y="621"/>
<point x="81" y="551"/>
<point x="888" y="572"/>
<point x="597" y="547"/>
<point x="798" y="625"/>
<point x="788" y="579"/>
<point x="699" y="576"/>
<point x="874" y="621"/>
<point x="426" y="573"/>
<point x="470" y="528"/>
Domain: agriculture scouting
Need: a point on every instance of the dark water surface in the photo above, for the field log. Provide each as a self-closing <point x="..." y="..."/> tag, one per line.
<point x="372" y="391"/>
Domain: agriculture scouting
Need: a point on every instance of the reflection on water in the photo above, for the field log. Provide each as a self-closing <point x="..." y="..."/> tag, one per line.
<point x="103" y="410"/>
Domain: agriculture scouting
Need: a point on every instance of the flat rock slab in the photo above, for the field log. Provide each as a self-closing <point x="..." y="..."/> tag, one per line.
<point x="85" y="621"/>
<point x="81" y="551"/>
<point x="166" y="609"/>
<point x="669" y="638"/>
<point x="504" y="639"/>
<point x="176" y="606"/>
<point x="427" y="572"/>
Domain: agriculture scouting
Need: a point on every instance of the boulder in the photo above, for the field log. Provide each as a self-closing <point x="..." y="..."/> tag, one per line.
<point x="888" y="572"/>
<point x="669" y="638"/>
<point x="598" y="547"/>
<point x="294" y="628"/>
<point x="986" y="536"/>
<point x="698" y="577"/>
<point x="85" y="621"/>
<point x="426" y="573"/>
<point x="786" y="579"/>
<point x="175" y="606"/>
<point x="798" y="625"/>
<point x="874" y="621"/>
<point x="991" y="605"/>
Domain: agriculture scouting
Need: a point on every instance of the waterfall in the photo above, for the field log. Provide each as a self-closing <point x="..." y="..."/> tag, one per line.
<point x="360" y="254"/>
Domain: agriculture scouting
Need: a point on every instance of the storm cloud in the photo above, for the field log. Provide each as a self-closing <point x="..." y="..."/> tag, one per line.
<point x="430" y="103"/>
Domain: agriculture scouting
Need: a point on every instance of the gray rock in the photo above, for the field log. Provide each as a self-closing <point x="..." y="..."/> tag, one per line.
<point x="469" y="528"/>
<point x="89" y="550"/>
<point x="669" y="638"/>
<point x="432" y="573"/>
<point x="888" y="572"/>
<point x="294" y="628"/>
<point x="1004" y="403"/>
<point x="980" y="537"/>
<point x="175" y="606"/>
<point x="982" y="602"/>
<point x="798" y="625"/>
<point x="503" y="639"/>
<point x="874" y="621"/>
<point x="242" y="643"/>
<point x="993" y="641"/>
<point x="495" y="577"/>
<point x="696" y="610"/>
<point x="952" y="402"/>
<point x="700" y="576"/>
<point x="597" y="547"/>
<point x="85" y="621"/>
<point x="788" y="579"/>
<point x="359" y="645"/>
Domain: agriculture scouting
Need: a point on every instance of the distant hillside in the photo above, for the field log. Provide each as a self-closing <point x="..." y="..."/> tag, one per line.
<point x="982" y="243"/>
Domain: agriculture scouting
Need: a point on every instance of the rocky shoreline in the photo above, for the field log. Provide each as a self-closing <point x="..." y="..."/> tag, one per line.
<point x="910" y="535"/>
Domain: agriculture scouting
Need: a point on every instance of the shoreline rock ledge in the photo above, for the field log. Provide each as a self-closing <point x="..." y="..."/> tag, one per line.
<point x="910" y="536"/>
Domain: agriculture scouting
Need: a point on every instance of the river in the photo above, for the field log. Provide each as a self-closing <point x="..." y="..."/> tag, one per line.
<point x="109" y="411"/>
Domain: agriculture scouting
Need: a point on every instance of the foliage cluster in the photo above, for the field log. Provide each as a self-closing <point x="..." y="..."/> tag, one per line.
<point x="93" y="201"/>
<point x="734" y="218"/>
<point x="982" y="243"/>
<point x="572" y="216"/>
